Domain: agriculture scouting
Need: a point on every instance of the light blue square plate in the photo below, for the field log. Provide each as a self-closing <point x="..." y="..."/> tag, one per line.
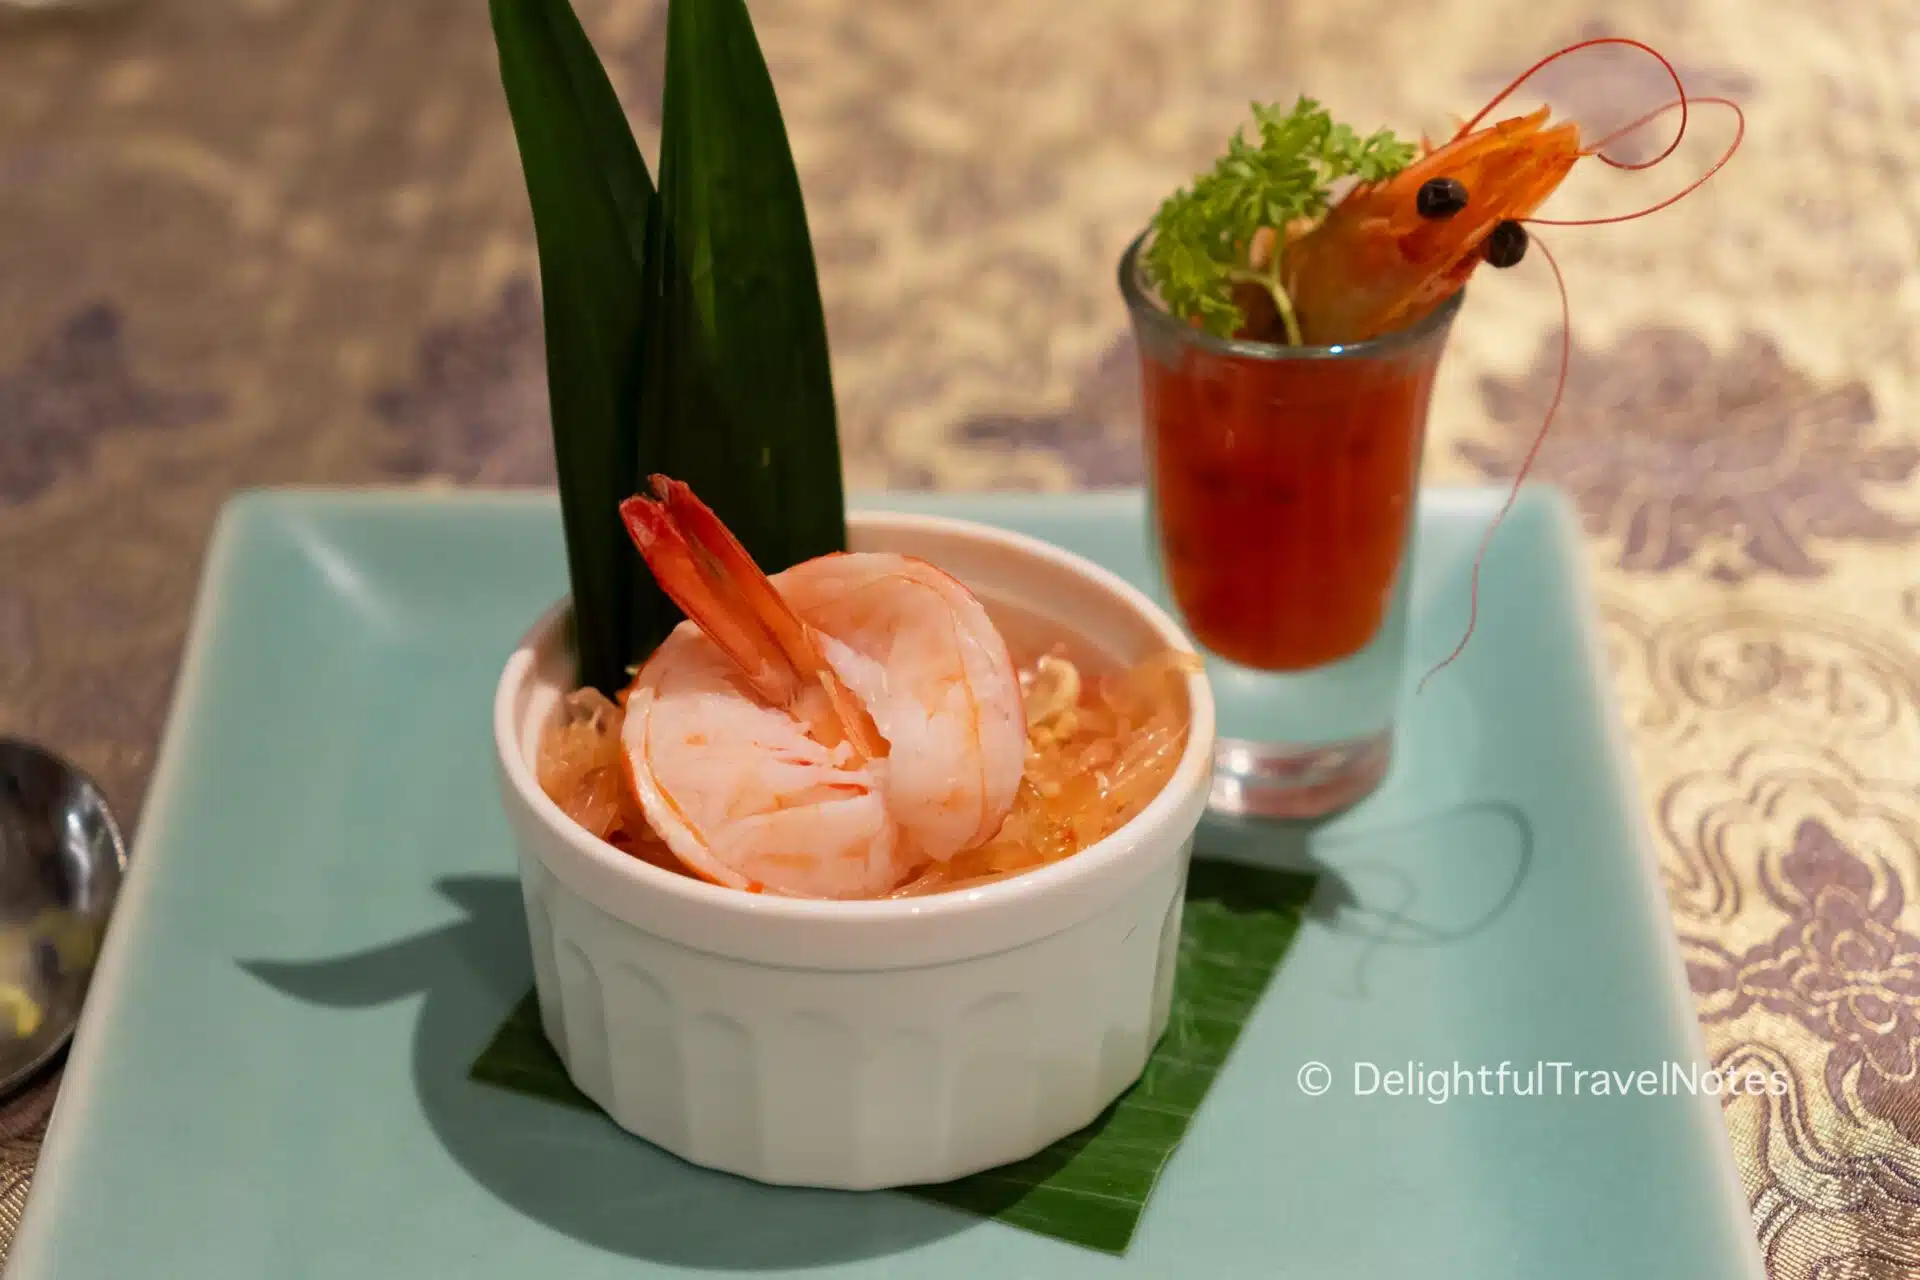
<point x="324" y="815"/>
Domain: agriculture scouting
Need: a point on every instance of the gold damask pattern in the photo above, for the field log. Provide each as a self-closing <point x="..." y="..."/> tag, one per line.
<point x="1783" y="742"/>
<point x="253" y="241"/>
<point x="1732" y="463"/>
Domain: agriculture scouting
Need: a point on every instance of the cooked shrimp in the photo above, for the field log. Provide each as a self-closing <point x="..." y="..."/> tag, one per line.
<point x="1382" y="257"/>
<point x="1389" y="252"/>
<point x="825" y="733"/>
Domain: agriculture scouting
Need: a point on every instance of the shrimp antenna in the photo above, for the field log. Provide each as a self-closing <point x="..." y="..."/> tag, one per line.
<point x="1519" y="478"/>
<point x="1739" y="133"/>
<point x="1673" y="75"/>
<point x="1559" y="278"/>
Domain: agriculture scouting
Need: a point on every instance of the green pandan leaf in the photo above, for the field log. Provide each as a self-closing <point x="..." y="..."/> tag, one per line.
<point x="684" y="330"/>
<point x="592" y="201"/>
<point x="519" y="1058"/>
<point x="739" y="361"/>
<point x="1089" y="1189"/>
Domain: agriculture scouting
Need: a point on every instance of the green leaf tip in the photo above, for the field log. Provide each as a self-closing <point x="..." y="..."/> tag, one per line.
<point x="684" y="329"/>
<point x="741" y="348"/>
<point x="592" y="201"/>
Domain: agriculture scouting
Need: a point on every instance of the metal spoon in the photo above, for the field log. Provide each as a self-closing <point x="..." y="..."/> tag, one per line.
<point x="61" y="861"/>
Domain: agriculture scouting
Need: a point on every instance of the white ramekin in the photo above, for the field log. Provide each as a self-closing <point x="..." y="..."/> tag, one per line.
<point x="862" y="1044"/>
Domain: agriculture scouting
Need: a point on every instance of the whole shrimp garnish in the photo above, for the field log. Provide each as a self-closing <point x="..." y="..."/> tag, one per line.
<point x="824" y="733"/>
<point x="1390" y="252"/>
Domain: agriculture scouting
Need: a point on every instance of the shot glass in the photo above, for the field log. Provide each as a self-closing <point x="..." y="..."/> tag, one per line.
<point x="1282" y="483"/>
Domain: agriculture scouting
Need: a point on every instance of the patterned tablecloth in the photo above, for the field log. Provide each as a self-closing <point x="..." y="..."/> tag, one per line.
<point x="254" y="241"/>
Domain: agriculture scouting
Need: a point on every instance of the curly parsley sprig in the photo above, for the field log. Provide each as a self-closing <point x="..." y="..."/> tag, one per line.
<point x="1203" y="236"/>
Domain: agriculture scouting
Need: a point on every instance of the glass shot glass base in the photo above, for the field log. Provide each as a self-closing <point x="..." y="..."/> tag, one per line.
<point x="1284" y="780"/>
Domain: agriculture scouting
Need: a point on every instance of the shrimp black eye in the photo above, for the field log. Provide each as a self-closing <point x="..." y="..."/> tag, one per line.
<point x="1440" y="198"/>
<point x="1506" y="245"/>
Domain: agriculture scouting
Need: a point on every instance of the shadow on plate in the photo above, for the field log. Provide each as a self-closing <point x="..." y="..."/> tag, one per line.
<point x="577" y="1172"/>
<point x="1430" y="881"/>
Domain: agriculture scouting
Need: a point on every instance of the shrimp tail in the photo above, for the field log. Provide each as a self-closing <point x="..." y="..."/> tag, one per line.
<point x="705" y="570"/>
<point x="735" y="565"/>
<point x="704" y="598"/>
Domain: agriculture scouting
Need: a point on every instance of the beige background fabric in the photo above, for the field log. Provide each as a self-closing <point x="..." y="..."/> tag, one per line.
<point x="254" y="241"/>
